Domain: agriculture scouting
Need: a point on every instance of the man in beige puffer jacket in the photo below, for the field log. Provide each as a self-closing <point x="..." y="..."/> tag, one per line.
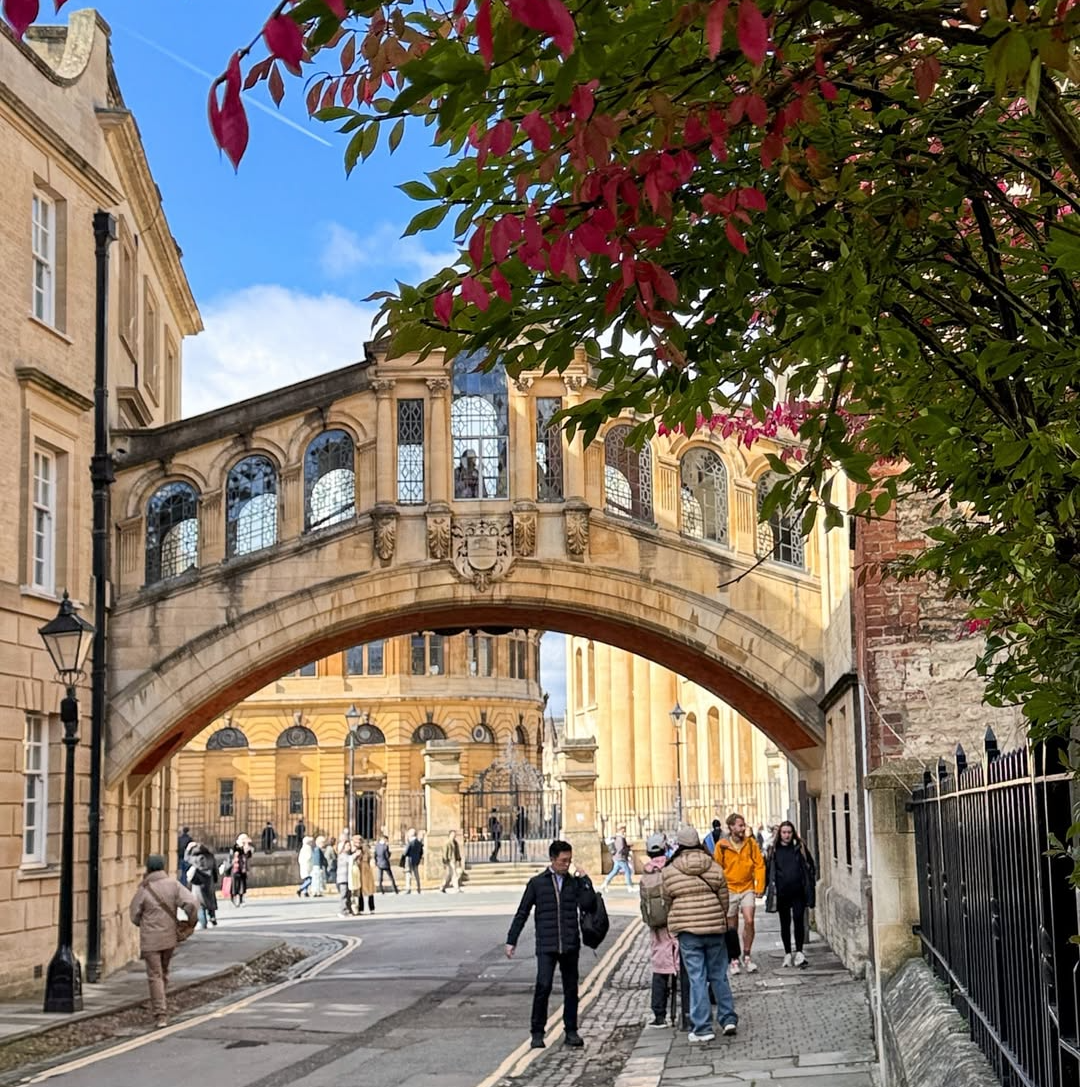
<point x="153" y="909"/>
<point x="697" y="896"/>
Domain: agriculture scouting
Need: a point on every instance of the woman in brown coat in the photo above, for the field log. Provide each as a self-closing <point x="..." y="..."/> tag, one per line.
<point x="697" y="896"/>
<point x="362" y="876"/>
<point x="153" y="909"/>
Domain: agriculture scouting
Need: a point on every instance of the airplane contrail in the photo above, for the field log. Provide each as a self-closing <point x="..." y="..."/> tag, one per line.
<point x="206" y="75"/>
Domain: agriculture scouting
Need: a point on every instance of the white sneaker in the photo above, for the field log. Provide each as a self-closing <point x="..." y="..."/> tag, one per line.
<point x="800" y="959"/>
<point x="735" y="968"/>
<point x="708" y="1036"/>
<point x="787" y="959"/>
<point x="749" y="965"/>
<point x="730" y="1029"/>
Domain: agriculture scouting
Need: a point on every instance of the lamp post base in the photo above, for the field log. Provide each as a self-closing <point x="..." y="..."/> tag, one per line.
<point x="63" y="983"/>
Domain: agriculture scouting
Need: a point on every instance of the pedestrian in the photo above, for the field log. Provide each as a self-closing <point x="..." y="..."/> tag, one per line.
<point x="344" y="863"/>
<point x="451" y="859"/>
<point x="153" y="910"/>
<point x="713" y="837"/>
<point x="269" y="837"/>
<point x="663" y="947"/>
<point x="697" y="896"/>
<point x="413" y="855"/>
<point x="521" y="829"/>
<point x="238" y="868"/>
<point x="299" y="833"/>
<point x="183" y="840"/>
<point x="620" y="855"/>
<point x="760" y="836"/>
<point x="740" y="857"/>
<point x="201" y="879"/>
<point x="318" y="867"/>
<point x="383" y="863"/>
<point x="306" y="863"/>
<point x="790" y="887"/>
<point x="362" y="877"/>
<point x="495" y="832"/>
<point x="559" y="898"/>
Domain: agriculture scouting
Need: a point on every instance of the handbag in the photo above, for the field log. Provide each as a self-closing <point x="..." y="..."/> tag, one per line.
<point x="183" y="928"/>
<point x="226" y="886"/>
<point x="595" y="924"/>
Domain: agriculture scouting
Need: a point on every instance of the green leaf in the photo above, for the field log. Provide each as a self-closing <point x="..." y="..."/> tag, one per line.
<point x="428" y="219"/>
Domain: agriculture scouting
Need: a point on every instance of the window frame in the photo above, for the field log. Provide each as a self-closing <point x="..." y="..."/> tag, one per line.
<point x="43" y="258"/>
<point x="47" y="512"/>
<point x="473" y="655"/>
<point x="151" y="343"/>
<point x="40" y="803"/>
<point x="550" y="459"/>
<point x="295" y="807"/>
<point x="410" y="453"/>
<point x="226" y="798"/>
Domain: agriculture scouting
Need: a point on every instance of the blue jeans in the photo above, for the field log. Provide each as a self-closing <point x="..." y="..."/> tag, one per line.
<point x="620" y="866"/>
<point x="706" y="961"/>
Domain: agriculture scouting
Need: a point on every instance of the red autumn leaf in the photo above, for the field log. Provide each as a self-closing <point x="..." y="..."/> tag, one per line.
<point x="60" y="4"/>
<point x="502" y="136"/>
<point x="550" y="18"/>
<point x="484" y="35"/>
<point x="476" y="245"/>
<point x="927" y="73"/>
<point x="337" y="7"/>
<point x="614" y="297"/>
<point x="444" y="307"/>
<point x="757" y="110"/>
<point x="537" y="129"/>
<point x="276" y="85"/>
<point x="20" y="13"/>
<point x="736" y="239"/>
<point x="714" y="26"/>
<point x="228" y="121"/>
<point x="590" y="238"/>
<point x="313" y="95"/>
<point x="665" y="284"/>
<point x="284" y="39"/>
<point x="472" y="290"/>
<point x="504" y="233"/>
<point x="459" y="7"/>
<point x="348" y="54"/>
<point x="752" y="32"/>
<point x="501" y="286"/>
<point x="754" y="199"/>
<point x="348" y="88"/>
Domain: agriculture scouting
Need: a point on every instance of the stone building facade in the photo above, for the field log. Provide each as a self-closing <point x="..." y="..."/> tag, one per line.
<point x="284" y="755"/>
<point x="68" y="148"/>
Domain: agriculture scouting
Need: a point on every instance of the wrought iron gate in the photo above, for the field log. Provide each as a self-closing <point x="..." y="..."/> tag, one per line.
<point x="513" y="825"/>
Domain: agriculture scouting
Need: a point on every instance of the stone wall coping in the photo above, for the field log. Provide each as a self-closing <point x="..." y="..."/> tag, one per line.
<point x="905" y="772"/>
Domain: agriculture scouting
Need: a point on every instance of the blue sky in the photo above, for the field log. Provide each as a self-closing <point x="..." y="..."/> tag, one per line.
<point x="281" y="254"/>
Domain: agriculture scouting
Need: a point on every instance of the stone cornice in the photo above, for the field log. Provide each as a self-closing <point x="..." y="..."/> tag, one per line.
<point x="31" y="375"/>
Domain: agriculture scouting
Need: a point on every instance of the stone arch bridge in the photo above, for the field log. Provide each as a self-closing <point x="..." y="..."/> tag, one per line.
<point x="393" y="496"/>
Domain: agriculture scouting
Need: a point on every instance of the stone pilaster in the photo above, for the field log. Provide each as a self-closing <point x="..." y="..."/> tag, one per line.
<point x="442" y="795"/>
<point x="438" y="426"/>
<point x="386" y="440"/>
<point x="575" y="771"/>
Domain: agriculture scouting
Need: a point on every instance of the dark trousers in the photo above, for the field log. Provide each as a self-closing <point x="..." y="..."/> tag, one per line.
<point x="387" y="872"/>
<point x="663" y="993"/>
<point x="239" y="886"/>
<point x="358" y="902"/>
<point x="545" y="975"/>
<point x="496" y="843"/>
<point x="791" y="909"/>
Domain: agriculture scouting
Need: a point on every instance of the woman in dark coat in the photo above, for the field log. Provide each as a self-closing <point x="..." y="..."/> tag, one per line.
<point x="238" y="867"/>
<point x="202" y="878"/>
<point x="790" y="879"/>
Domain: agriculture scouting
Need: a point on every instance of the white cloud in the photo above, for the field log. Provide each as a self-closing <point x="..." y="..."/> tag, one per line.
<point x="265" y="336"/>
<point x="553" y="671"/>
<point x="383" y="249"/>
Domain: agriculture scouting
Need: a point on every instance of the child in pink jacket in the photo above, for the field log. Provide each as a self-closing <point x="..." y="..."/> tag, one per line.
<point x="663" y="947"/>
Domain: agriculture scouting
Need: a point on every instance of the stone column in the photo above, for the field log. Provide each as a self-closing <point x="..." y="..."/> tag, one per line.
<point x="894" y="875"/>
<point x="575" y="454"/>
<point x="442" y="798"/>
<point x="522" y="443"/>
<point x="438" y="466"/>
<point x="386" y="441"/>
<point x="575" y="771"/>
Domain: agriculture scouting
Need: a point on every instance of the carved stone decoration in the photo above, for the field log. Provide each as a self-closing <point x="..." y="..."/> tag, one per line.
<point x="438" y="385"/>
<point x="577" y="531"/>
<point x="574" y="382"/>
<point x="384" y="519"/>
<point x="482" y="548"/>
<point x="438" y="536"/>
<point x="523" y="383"/>
<point x="524" y="533"/>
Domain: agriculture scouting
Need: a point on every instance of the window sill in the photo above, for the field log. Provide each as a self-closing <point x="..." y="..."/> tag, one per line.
<point x="33" y="871"/>
<point x="39" y="593"/>
<point x="51" y="328"/>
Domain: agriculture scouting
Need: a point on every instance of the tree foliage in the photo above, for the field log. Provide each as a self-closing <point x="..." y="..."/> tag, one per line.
<point x="864" y="210"/>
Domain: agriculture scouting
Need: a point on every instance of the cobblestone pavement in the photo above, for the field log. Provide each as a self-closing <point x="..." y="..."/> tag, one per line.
<point x="809" y="1027"/>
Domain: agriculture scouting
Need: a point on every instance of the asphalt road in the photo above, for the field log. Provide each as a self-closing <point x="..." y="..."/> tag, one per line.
<point x="427" y="997"/>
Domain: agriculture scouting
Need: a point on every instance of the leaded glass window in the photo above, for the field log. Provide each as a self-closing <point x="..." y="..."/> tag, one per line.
<point x="418" y="654"/>
<point x="172" y="532"/>
<point x="428" y="731"/>
<point x="410" y="451"/>
<point x="549" y="451"/>
<point x="627" y="476"/>
<point x="479" y="429"/>
<point x="329" y="480"/>
<point x="375" y="658"/>
<point x="435" y="655"/>
<point x="250" y="506"/>
<point x="779" y="538"/>
<point x="297" y="736"/>
<point x="225" y="738"/>
<point x="354" y="660"/>
<point x="704" y="495"/>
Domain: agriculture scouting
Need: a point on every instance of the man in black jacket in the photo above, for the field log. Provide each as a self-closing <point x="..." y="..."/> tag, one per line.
<point x="559" y="898"/>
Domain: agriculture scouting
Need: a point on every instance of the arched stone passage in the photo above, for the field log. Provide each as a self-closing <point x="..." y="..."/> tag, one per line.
<point x="155" y="710"/>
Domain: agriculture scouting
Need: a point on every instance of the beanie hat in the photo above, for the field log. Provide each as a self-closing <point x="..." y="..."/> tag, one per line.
<point x="655" y="844"/>
<point x="716" y="824"/>
<point x="688" y="837"/>
<point x="155" y="863"/>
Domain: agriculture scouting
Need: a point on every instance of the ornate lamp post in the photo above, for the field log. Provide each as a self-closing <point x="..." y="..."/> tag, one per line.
<point x="677" y="714"/>
<point x="352" y="719"/>
<point x="68" y="639"/>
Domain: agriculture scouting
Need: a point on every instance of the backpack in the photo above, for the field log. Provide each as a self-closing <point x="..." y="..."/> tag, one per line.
<point x="595" y="924"/>
<point x="654" y="907"/>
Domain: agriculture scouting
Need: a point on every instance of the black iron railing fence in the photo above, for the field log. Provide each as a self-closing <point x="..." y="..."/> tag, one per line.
<point x="997" y="913"/>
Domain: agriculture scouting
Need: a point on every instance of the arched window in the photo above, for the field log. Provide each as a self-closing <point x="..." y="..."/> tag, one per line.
<point x="579" y="701"/>
<point x="704" y="495"/>
<point x="479" y="429"/>
<point x="520" y="736"/>
<point x="779" y="537"/>
<point x="592" y="674"/>
<point x="627" y="476"/>
<point x="428" y="731"/>
<point x="482" y="734"/>
<point x="172" y="532"/>
<point x="250" y="506"/>
<point x="225" y="738"/>
<point x="366" y="733"/>
<point x="329" y="480"/>
<point x="297" y="736"/>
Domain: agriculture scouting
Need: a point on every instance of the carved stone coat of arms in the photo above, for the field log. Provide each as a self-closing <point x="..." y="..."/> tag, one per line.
<point x="482" y="548"/>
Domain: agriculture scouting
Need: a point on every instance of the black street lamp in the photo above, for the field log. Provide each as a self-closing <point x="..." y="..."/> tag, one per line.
<point x="677" y="714"/>
<point x="68" y="639"/>
<point x="352" y="719"/>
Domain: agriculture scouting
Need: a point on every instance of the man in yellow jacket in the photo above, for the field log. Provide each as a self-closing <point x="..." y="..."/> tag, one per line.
<point x="744" y="869"/>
